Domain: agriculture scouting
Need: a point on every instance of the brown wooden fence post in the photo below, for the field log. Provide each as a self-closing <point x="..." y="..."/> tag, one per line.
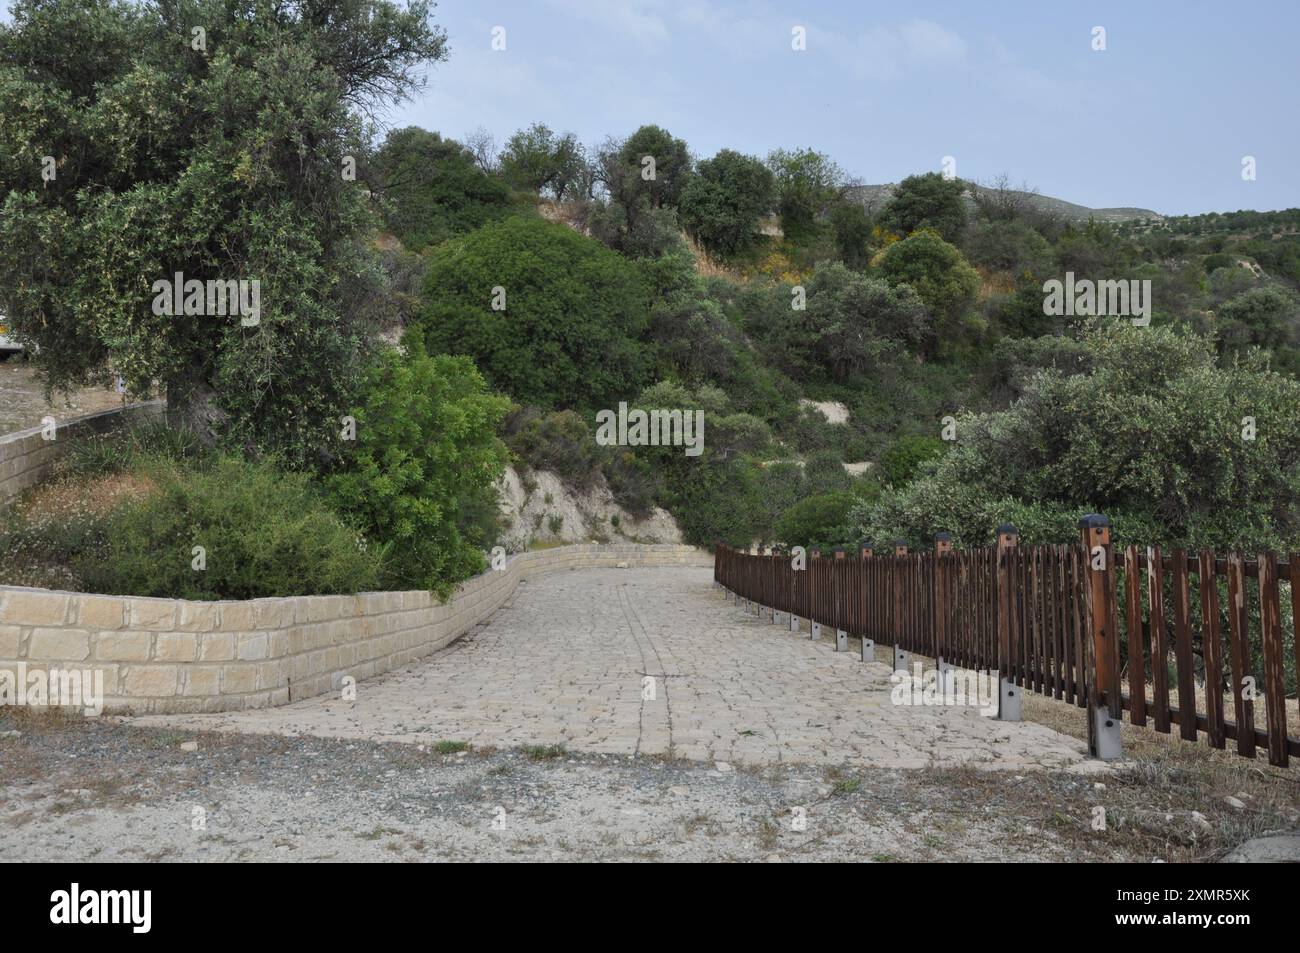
<point x="865" y="552"/>
<point x="941" y="601"/>
<point x="902" y="583"/>
<point x="1105" y="704"/>
<point x="839" y="599"/>
<point x="815" y="586"/>
<point x="1008" y="691"/>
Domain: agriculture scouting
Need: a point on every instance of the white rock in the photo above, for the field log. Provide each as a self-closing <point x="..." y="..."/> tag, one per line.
<point x="723" y="767"/>
<point x="1234" y="803"/>
<point x="189" y="746"/>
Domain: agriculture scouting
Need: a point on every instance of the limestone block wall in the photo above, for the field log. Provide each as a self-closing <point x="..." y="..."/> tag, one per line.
<point x="171" y="655"/>
<point x="27" y="455"/>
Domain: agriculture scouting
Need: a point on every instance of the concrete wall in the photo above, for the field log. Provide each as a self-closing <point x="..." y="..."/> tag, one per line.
<point x="26" y="456"/>
<point x="170" y="655"/>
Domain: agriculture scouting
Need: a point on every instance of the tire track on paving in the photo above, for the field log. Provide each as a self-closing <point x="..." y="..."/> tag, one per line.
<point x="641" y="636"/>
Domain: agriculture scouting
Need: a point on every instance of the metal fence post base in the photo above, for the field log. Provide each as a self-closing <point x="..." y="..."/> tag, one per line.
<point x="841" y="640"/>
<point x="776" y="616"/>
<point x="795" y="624"/>
<point x="1008" y="701"/>
<point x="816" y="631"/>
<point x="1105" y="737"/>
<point x="947" y="675"/>
<point x="900" y="660"/>
<point x="868" y="650"/>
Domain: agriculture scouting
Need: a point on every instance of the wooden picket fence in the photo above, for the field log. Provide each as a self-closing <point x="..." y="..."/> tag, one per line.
<point x="1069" y="622"/>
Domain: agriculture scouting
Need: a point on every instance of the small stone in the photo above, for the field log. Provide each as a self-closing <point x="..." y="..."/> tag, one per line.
<point x="1235" y="803"/>
<point x="1099" y="786"/>
<point x="189" y="746"/>
<point x="621" y="566"/>
<point x="723" y="767"/>
<point x="679" y="791"/>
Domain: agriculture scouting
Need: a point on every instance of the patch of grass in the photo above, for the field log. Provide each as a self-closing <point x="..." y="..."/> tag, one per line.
<point x="841" y="782"/>
<point x="846" y="786"/>
<point x="451" y="747"/>
<point x="544" y="752"/>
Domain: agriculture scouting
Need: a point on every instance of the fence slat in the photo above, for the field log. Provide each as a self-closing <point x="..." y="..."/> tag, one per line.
<point x="1137" y="670"/>
<point x="1048" y="616"/>
<point x="1240" y="652"/>
<point x="1212" y="649"/>
<point x="1183" y="648"/>
<point x="1159" y="641"/>
<point x="1270" y="615"/>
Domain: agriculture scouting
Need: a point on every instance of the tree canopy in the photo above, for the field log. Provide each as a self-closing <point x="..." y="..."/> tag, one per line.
<point x="568" y="312"/>
<point x="218" y="155"/>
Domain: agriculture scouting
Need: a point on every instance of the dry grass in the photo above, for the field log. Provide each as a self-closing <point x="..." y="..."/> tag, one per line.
<point x="64" y="501"/>
<point x="706" y="266"/>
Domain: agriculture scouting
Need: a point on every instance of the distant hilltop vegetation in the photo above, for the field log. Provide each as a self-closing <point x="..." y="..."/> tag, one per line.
<point x="874" y="197"/>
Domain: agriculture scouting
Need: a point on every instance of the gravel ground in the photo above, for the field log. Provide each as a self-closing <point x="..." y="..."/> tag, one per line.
<point x="98" y="790"/>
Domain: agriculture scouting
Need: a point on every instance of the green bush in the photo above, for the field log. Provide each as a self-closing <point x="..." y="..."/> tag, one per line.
<point x="123" y="448"/>
<point x="425" y="443"/>
<point x="559" y="441"/>
<point x="265" y="532"/>
<point x="573" y="313"/>
<point x="723" y="203"/>
<point x="431" y="190"/>
<point x="718" y="500"/>
<point x="900" y="462"/>
<point x="939" y="274"/>
<point x="821" y="520"/>
<point x="1151" y="434"/>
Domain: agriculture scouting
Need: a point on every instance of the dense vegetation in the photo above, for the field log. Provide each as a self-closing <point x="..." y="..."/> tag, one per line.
<point x="538" y="284"/>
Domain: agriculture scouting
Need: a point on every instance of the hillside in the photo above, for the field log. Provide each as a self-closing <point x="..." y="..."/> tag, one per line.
<point x="875" y="197"/>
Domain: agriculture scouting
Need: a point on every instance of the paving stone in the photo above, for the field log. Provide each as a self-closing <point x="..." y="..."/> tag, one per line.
<point x="563" y="662"/>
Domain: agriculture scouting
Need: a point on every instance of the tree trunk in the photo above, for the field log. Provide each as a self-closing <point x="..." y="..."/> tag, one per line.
<point x="193" y="405"/>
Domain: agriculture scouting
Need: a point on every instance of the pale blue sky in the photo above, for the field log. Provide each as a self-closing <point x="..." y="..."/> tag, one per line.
<point x="1160" y="119"/>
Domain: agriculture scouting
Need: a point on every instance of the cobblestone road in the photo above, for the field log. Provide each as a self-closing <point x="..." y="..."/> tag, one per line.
<point x="564" y="663"/>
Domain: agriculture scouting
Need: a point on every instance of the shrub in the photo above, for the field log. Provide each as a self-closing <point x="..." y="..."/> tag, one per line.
<point x="265" y="532"/>
<point x="715" y="499"/>
<point x="926" y="201"/>
<point x="573" y="311"/>
<point x="124" y="448"/>
<point x="432" y="190"/>
<point x="722" y="205"/>
<point x="899" y="463"/>
<point x="821" y="520"/>
<point x="937" y="272"/>
<point x="560" y="442"/>
<point x="425" y="442"/>
<point x="824" y="472"/>
<point x="1151" y="434"/>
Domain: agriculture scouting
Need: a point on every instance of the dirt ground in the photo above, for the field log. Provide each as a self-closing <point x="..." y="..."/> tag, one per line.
<point x="97" y="789"/>
<point x="22" y="398"/>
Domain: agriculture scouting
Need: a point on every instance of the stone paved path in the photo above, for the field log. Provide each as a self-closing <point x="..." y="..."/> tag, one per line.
<point x="563" y="663"/>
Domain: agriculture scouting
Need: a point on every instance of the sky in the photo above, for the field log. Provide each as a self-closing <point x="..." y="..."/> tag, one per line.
<point x="1161" y="118"/>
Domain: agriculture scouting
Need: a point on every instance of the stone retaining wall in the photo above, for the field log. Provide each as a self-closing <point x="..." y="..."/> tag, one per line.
<point x="27" y="455"/>
<point x="171" y="655"/>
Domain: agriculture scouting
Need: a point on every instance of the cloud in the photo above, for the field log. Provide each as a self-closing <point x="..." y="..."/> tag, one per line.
<point x="633" y="18"/>
<point x="889" y="52"/>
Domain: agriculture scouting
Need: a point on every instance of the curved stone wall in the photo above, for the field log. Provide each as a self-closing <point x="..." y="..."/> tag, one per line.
<point x="172" y="655"/>
<point x="27" y="455"/>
